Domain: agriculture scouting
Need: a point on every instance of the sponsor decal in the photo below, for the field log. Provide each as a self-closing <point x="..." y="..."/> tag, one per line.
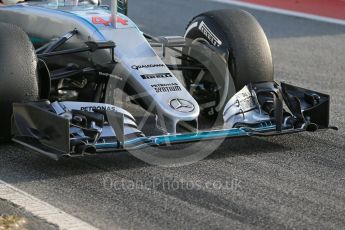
<point x="182" y="105"/>
<point x="166" y="88"/>
<point x="137" y="67"/>
<point x="101" y="107"/>
<point x="210" y="35"/>
<point x="156" y="76"/>
<point x="97" y="20"/>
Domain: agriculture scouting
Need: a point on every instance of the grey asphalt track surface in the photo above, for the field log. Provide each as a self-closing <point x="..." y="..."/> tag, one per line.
<point x="295" y="181"/>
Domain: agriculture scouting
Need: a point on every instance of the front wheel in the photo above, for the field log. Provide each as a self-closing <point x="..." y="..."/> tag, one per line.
<point x="237" y="34"/>
<point x="18" y="74"/>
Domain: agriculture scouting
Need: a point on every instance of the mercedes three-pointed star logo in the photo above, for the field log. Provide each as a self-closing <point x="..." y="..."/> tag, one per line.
<point x="182" y="105"/>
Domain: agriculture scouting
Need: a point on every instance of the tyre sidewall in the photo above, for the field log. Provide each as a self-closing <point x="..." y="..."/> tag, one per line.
<point x="18" y="74"/>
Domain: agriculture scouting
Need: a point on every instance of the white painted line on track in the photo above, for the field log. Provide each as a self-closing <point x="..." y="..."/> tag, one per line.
<point x="42" y="209"/>
<point x="282" y="11"/>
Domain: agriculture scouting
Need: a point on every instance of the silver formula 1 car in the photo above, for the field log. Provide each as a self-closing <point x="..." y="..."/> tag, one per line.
<point x="65" y="67"/>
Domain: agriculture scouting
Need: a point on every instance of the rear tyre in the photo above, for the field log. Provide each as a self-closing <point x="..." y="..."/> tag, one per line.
<point x="233" y="32"/>
<point x="18" y="74"/>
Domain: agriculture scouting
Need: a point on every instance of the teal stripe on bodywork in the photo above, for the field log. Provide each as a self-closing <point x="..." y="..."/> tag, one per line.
<point x="142" y="142"/>
<point x="36" y="40"/>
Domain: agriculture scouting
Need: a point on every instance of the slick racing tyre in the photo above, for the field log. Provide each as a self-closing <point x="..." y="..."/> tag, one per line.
<point x="237" y="34"/>
<point x="18" y="74"/>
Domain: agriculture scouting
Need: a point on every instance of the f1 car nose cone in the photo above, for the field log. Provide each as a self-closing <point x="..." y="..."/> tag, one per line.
<point x="182" y="105"/>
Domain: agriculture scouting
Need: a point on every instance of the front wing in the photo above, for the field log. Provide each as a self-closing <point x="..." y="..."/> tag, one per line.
<point x="75" y="129"/>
